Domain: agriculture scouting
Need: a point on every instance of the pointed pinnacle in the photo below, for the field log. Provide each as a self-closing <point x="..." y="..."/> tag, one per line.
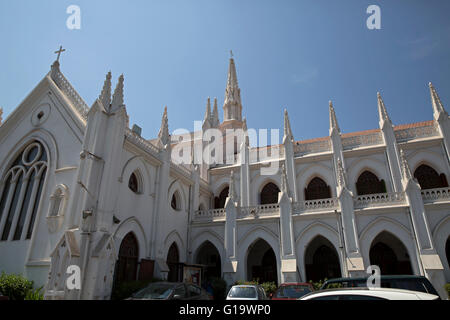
<point x="333" y="121"/>
<point x="117" y="99"/>
<point x="382" y="112"/>
<point x="208" y="109"/>
<point x="287" y="125"/>
<point x="163" y="134"/>
<point x="438" y="107"/>
<point x="215" y="114"/>
<point x="105" y="95"/>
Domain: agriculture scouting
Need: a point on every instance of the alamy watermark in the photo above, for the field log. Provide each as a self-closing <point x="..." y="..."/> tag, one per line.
<point x="73" y="22"/>
<point x="218" y="147"/>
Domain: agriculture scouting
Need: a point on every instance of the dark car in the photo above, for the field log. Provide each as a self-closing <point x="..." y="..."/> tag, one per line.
<point x="171" y="291"/>
<point x="292" y="291"/>
<point x="406" y="282"/>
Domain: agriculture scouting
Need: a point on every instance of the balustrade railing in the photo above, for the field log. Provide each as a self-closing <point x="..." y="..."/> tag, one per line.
<point x="433" y="195"/>
<point x="209" y="214"/>
<point x="379" y="199"/>
<point x="315" y="205"/>
<point x="261" y="210"/>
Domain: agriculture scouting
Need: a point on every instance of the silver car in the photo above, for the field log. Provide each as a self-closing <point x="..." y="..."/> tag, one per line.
<point x="246" y="292"/>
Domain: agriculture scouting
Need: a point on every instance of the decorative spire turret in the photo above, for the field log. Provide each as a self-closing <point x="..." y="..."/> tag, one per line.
<point x="382" y="112"/>
<point x="334" y="126"/>
<point x="406" y="171"/>
<point x="232" y="105"/>
<point x="105" y="95"/>
<point x="207" y="111"/>
<point x="438" y="107"/>
<point x="117" y="99"/>
<point x="1" y="113"/>
<point x="163" y="135"/>
<point x="215" y="115"/>
<point x="287" y="127"/>
<point x="232" y="188"/>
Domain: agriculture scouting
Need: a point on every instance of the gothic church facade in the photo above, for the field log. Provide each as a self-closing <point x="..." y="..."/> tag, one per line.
<point x="79" y="187"/>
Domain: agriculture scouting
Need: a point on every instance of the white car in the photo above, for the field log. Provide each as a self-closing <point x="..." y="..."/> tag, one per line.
<point x="368" y="294"/>
<point x="246" y="292"/>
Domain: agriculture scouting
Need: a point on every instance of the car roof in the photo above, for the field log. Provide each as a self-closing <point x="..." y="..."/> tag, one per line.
<point x="383" y="277"/>
<point x="370" y="291"/>
<point x="246" y="285"/>
<point x="295" y="284"/>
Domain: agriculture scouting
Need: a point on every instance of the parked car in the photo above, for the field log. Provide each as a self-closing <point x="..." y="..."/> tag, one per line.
<point x="2" y="297"/>
<point x="246" y="292"/>
<point x="171" y="291"/>
<point x="406" y="282"/>
<point x="292" y="291"/>
<point x="368" y="294"/>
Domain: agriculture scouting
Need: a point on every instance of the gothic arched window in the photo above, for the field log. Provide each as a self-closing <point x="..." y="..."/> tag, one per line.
<point x="175" y="202"/>
<point x="133" y="183"/>
<point x="428" y="178"/>
<point x="269" y="194"/>
<point x="317" y="189"/>
<point x="21" y="189"/>
<point x="368" y="183"/>
<point x="219" y="202"/>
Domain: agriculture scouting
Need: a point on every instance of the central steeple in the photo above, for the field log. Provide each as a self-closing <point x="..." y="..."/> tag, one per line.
<point x="232" y="106"/>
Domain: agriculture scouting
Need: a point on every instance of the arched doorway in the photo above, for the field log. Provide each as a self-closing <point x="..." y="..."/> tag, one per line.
<point x="368" y="183"/>
<point x="173" y="262"/>
<point x="208" y="256"/>
<point x="219" y="202"/>
<point x="317" y="189"/>
<point x="389" y="253"/>
<point x="429" y="178"/>
<point x="269" y="194"/>
<point x="127" y="264"/>
<point x="321" y="260"/>
<point x="261" y="262"/>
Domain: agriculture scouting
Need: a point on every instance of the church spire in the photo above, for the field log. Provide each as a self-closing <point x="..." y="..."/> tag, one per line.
<point x="105" y="95"/>
<point x="382" y="112"/>
<point x="438" y="107"/>
<point x="163" y="135"/>
<point x="232" y="105"/>
<point x="117" y="99"/>
<point x="334" y="126"/>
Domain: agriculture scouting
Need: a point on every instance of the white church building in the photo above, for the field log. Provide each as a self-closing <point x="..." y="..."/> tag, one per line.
<point x="79" y="187"/>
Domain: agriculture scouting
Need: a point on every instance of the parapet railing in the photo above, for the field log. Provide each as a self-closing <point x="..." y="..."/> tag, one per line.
<point x="433" y="195"/>
<point x="315" y="205"/>
<point x="261" y="210"/>
<point x="379" y="199"/>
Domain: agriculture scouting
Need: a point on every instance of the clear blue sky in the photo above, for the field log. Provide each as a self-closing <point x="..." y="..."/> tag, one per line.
<point x="289" y="54"/>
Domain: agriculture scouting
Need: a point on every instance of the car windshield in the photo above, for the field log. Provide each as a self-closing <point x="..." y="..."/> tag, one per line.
<point x="242" y="292"/>
<point x="292" y="291"/>
<point x="155" y="291"/>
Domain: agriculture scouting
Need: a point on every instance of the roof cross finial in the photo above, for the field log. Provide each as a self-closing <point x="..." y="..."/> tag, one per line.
<point x="231" y="53"/>
<point x="59" y="52"/>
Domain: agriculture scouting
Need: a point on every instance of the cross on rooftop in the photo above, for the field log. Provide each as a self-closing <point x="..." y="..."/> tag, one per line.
<point x="59" y="52"/>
